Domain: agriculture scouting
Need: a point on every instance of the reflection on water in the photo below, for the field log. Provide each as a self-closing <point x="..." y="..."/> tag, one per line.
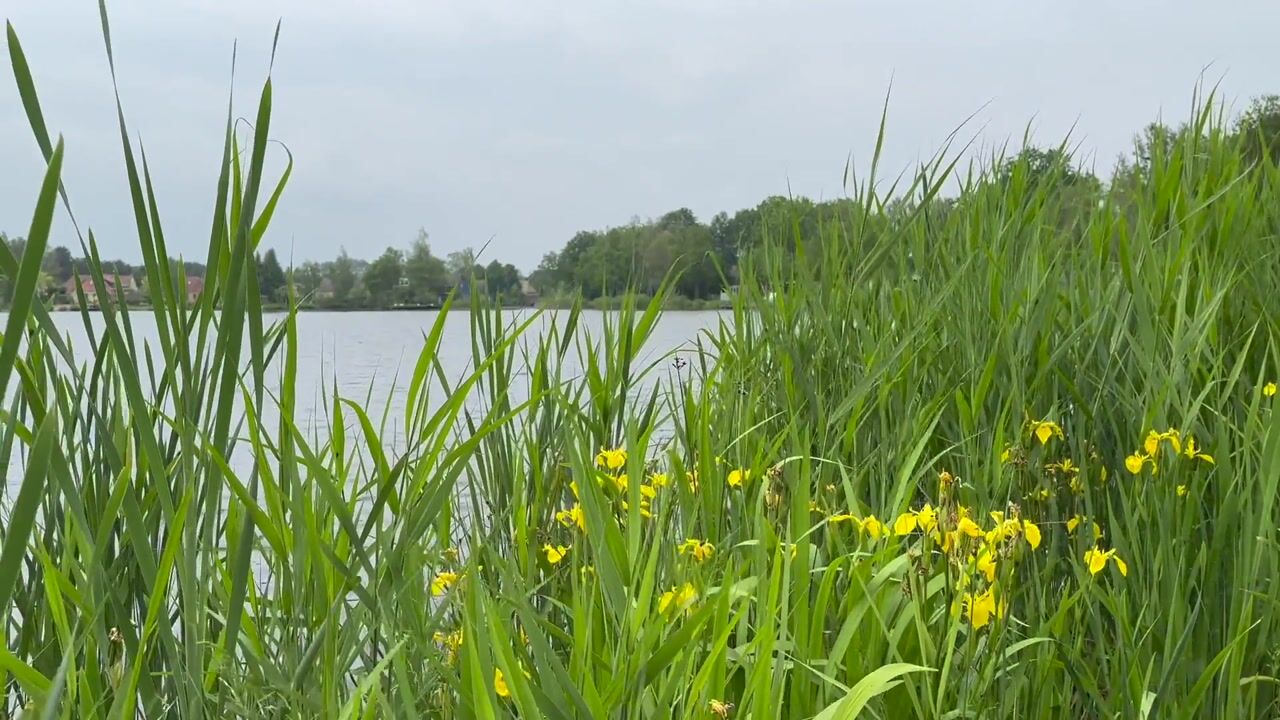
<point x="370" y="357"/>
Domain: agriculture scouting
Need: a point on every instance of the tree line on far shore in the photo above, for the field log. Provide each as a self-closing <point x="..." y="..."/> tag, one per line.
<point x="703" y="259"/>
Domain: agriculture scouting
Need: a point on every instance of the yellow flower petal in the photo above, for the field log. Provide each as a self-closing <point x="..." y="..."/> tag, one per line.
<point x="1134" y="463"/>
<point x="1151" y="445"/>
<point x="442" y="582"/>
<point x="928" y="518"/>
<point x="1269" y="390"/>
<point x="987" y="566"/>
<point x="1043" y="433"/>
<point x="905" y="524"/>
<point x="872" y="526"/>
<point x="981" y="608"/>
<point x="1032" y="532"/>
<point x="555" y="554"/>
<point x="1096" y="559"/>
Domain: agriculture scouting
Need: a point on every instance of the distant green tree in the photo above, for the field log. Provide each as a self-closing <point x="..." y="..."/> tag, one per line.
<point x="546" y="277"/>
<point x="1259" y="129"/>
<point x="7" y="284"/>
<point x="1034" y="165"/>
<point x="306" y="279"/>
<point x="342" y="275"/>
<point x="501" y="280"/>
<point x="464" y="271"/>
<point x="681" y="218"/>
<point x="59" y="264"/>
<point x="382" y="277"/>
<point x="271" y="279"/>
<point x="461" y="265"/>
<point x="427" y="275"/>
<point x="727" y="234"/>
<point x="571" y="259"/>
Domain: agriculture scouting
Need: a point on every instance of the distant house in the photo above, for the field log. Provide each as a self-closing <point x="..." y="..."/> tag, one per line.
<point x="90" y="289"/>
<point x="195" y="287"/>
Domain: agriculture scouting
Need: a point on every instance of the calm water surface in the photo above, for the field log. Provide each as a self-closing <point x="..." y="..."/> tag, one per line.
<point x="372" y="354"/>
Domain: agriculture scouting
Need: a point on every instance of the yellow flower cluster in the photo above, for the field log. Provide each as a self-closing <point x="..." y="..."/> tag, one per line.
<point x="1151" y="447"/>
<point x="610" y="461"/>
<point x="926" y="521"/>
<point x="954" y="530"/>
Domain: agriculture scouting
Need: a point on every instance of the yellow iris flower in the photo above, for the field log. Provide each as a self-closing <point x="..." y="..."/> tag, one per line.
<point x="1151" y="446"/>
<point x="573" y="516"/>
<point x="969" y="527"/>
<point x="1031" y="532"/>
<point x="986" y="565"/>
<point x="677" y="598"/>
<point x="1076" y="521"/>
<point x="442" y="582"/>
<point x="925" y="519"/>
<point x="697" y="549"/>
<point x="500" y="684"/>
<point x="1096" y="558"/>
<point x="984" y="606"/>
<point x="1065" y="466"/>
<point x="1135" y="462"/>
<point x="1193" y="452"/>
<point x="555" y="553"/>
<point x="611" y="459"/>
<point x="1044" y="430"/>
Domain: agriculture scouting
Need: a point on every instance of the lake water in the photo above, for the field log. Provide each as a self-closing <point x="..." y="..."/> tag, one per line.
<point x="372" y="354"/>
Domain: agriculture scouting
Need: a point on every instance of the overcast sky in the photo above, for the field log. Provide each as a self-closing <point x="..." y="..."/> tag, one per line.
<point x="526" y="121"/>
